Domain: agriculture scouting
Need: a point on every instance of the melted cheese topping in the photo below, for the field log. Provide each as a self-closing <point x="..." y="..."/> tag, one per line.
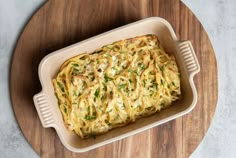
<point x="115" y="85"/>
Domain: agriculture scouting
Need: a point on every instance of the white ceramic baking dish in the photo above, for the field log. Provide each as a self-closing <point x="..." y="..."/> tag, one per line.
<point x="46" y="102"/>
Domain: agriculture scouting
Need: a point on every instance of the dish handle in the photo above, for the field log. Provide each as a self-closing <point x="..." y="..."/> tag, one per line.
<point x="44" y="111"/>
<point x="190" y="59"/>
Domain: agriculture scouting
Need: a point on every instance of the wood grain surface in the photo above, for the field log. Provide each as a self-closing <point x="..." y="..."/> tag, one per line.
<point x="59" y="23"/>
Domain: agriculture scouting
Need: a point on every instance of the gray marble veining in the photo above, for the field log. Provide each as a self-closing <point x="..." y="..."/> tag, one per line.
<point x="218" y="18"/>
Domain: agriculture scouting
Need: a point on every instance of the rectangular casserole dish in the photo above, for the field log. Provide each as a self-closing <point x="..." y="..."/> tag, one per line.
<point x="46" y="102"/>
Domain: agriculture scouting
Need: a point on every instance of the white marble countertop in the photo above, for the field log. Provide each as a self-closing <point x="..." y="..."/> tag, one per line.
<point x="218" y="18"/>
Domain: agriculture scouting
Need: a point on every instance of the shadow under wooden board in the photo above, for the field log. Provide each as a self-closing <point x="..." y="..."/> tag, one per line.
<point x="61" y="23"/>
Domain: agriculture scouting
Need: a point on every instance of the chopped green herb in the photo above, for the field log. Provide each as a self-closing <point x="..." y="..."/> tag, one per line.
<point x="100" y="108"/>
<point x="96" y="94"/>
<point x="109" y="111"/>
<point x="140" y="50"/>
<point x="130" y="70"/>
<point x="144" y="83"/>
<point x="141" y="66"/>
<point x="114" y="68"/>
<point x="104" y="87"/>
<point x="84" y="84"/>
<point x="107" y="78"/>
<point x="82" y="58"/>
<point x="134" y="71"/>
<point x="65" y="110"/>
<point x="74" y="93"/>
<point x="74" y="103"/>
<point x="107" y="47"/>
<point x="130" y="81"/>
<point x="60" y="86"/>
<point x="92" y="79"/>
<point x="122" y="52"/>
<point x="90" y="61"/>
<point x="75" y="69"/>
<point x="94" y="113"/>
<point x="123" y="105"/>
<point x="162" y="82"/>
<point x="122" y="86"/>
<point x="56" y="96"/>
<point x="58" y="101"/>
<point x="155" y="85"/>
<point x="173" y="83"/>
<point x="91" y="73"/>
<point x="74" y="64"/>
<point x="162" y="68"/>
<point x="88" y="117"/>
<point x="123" y="66"/>
<point x="88" y="109"/>
<point x="127" y="90"/>
<point x="109" y="55"/>
<point x="151" y="73"/>
<point x="152" y="92"/>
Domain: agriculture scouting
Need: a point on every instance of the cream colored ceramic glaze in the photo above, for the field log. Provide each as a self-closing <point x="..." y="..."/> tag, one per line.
<point x="46" y="102"/>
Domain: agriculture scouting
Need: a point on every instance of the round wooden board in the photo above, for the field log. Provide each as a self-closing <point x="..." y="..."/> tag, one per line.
<point x="61" y="23"/>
